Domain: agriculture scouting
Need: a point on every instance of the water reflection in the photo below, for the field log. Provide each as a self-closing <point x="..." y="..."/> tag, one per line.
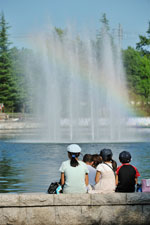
<point x="11" y="177"/>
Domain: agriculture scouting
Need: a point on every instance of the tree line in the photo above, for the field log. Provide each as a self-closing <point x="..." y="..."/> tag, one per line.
<point x="137" y="65"/>
<point x="16" y="90"/>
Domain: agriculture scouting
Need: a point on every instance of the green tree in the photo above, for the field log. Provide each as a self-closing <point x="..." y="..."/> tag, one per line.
<point x="60" y="32"/>
<point x="105" y="21"/>
<point x="18" y="62"/>
<point x="144" y="44"/>
<point x="101" y="36"/>
<point x="7" y="85"/>
<point x="105" y="28"/>
<point x="138" y="76"/>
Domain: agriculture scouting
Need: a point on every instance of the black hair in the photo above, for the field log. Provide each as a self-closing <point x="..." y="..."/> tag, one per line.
<point x="73" y="161"/>
<point x="107" y="158"/>
<point x="106" y="155"/>
<point x="114" y="165"/>
<point x="124" y="160"/>
<point x="125" y="157"/>
<point x="97" y="159"/>
<point x="87" y="158"/>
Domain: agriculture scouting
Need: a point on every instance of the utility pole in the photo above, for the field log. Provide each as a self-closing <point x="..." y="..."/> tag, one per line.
<point x="120" y="35"/>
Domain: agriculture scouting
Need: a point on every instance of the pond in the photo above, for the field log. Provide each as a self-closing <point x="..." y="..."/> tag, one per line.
<point x="31" y="167"/>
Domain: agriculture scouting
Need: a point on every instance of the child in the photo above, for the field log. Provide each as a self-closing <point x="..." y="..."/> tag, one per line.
<point x="126" y="174"/>
<point x="74" y="173"/>
<point x="88" y="159"/>
<point x="97" y="159"/>
<point x="105" y="177"/>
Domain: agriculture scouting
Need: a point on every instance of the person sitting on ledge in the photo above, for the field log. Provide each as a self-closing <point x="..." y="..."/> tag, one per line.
<point x="74" y="173"/>
<point x="126" y="174"/>
<point x="105" y="173"/>
<point x="88" y="159"/>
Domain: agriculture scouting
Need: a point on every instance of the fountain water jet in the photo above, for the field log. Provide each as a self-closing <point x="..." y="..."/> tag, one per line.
<point x="80" y="89"/>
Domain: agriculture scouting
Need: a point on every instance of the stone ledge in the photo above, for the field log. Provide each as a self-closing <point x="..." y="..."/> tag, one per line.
<point x="42" y="199"/>
<point x="18" y="200"/>
<point x="109" y="199"/>
<point x="75" y="209"/>
<point x="138" y="198"/>
<point x="72" y="199"/>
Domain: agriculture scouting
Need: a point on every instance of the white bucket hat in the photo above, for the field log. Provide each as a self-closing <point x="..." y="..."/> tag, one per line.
<point x="74" y="148"/>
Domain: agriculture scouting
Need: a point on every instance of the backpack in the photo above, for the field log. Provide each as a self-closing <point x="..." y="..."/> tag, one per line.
<point x="54" y="188"/>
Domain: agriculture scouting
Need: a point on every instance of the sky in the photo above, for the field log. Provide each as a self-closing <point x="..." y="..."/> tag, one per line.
<point x="30" y="16"/>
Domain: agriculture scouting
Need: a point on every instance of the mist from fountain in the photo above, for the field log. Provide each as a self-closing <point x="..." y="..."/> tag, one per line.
<point x="79" y="88"/>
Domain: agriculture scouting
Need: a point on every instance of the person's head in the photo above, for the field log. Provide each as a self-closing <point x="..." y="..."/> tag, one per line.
<point x="87" y="158"/>
<point x="96" y="160"/>
<point x="106" y="154"/>
<point x="125" y="157"/>
<point x="73" y="154"/>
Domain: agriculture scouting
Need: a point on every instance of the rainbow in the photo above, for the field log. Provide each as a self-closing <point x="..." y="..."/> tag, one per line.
<point x="68" y="60"/>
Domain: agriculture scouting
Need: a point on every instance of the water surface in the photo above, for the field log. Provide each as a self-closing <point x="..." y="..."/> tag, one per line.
<point x="31" y="167"/>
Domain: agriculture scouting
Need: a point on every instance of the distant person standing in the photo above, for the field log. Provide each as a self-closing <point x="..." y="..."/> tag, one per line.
<point x="88" y="159"/>
<point x="74" y="173"/>
<point x="126" y="174"/>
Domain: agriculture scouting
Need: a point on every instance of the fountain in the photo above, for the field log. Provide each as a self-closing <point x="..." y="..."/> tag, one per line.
<point x="79" y="88"/>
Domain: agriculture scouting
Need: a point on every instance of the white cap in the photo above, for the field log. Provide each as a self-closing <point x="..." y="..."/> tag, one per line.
<point x="74" y="148"/>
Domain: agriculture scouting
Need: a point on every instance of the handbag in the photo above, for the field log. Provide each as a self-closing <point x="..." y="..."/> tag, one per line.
<point x="54" y="188"/>
<point x="145" y="185"/>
